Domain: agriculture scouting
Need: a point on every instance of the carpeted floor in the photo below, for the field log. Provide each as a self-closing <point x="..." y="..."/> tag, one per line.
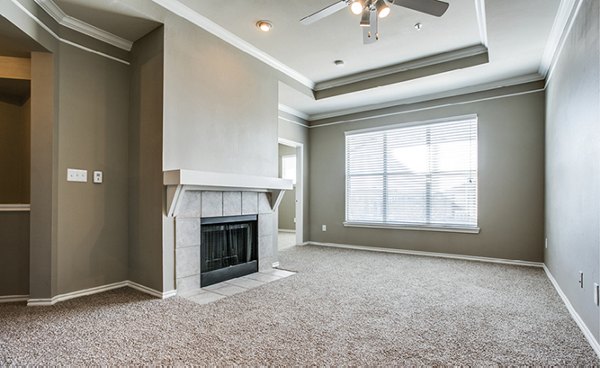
<point x="343" y="307"/>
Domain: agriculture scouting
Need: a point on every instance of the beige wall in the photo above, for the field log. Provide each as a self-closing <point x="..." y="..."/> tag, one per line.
<point x="573" y="165"/>
<point x="145" y="161"/>
<point x="287" y="207"/>
<point x="220" y="105"/>
<point x="511" y="181"/>
<point x="14" y="253"/>
<point x="14" y="152"/>
<point x="92" y="134"/>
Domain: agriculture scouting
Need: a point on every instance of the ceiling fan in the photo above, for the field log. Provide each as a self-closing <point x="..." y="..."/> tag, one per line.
<point x="371" y="10"/>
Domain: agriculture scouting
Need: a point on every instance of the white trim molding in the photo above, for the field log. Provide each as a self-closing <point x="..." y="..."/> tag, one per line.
<point x="53" y="34"/>
<point x="80" y="26"/>
<point x="582" y="326"/>
<point x="431" y="254"/>
<point x="178" y="8"/>
<point x="565" y="16"/>
<point x="481" y="21"/>
<point x="292" y="111"/>
<point x="100" y="289"/>
<point x="13" y="298"/>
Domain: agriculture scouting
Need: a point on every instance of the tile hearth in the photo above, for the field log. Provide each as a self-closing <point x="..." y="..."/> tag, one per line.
<point x="227" y="288"/>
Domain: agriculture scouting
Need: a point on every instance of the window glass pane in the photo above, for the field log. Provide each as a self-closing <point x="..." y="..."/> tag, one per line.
<point x="365" y="199"/>
<point x="365" y="154"/>
<point x="407" y="199"/>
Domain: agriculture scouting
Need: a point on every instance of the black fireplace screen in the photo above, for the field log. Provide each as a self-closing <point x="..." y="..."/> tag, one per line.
<point x="228" y="248"/>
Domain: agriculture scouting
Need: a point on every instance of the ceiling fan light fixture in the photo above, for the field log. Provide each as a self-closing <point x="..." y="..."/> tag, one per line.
<point x="383" y="9"/>
<point x="264" y="25"/>
<point x="365" y="19"/>
<point x="357" y="6"/>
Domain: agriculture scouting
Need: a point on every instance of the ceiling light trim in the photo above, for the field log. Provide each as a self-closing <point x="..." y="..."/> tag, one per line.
<point x="53" y="34"/>
<point x="178" y="8"/>
<point x="535" y="77"/>
<point x="481" y="21"/>
<point x="402" y="67"/>
<point x="80" y="26"/>
<point x="292" y="111"/>
<point x="565" y="17"/>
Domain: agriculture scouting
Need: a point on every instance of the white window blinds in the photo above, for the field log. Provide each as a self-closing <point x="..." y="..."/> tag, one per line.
<point x="415" y="175"/>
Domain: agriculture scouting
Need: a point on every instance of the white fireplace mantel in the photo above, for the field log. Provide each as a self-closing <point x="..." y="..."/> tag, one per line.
<point x="180" y="181"/>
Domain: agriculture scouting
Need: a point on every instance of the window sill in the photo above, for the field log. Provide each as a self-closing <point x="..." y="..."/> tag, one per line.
<point x="465" y="230"/>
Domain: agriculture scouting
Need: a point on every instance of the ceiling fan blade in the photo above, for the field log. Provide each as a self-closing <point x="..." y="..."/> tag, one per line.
<point x="431" y="7"/>
<point x="325" y="12"/>
<point x="371" y="33"/>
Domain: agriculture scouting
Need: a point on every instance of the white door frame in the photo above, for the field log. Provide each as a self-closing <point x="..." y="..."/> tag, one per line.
<point x="299" y="186"/>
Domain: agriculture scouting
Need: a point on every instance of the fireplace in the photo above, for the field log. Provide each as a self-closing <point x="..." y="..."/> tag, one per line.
<point x="229" y="248"/>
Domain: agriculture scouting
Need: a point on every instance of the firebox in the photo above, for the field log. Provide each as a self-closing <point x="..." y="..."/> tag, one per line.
<point x="228" y="248"/>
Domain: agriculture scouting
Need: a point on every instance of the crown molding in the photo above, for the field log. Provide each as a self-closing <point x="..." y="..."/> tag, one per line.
<point x="402" y="67"/>
<point x="445" y="94"/>
<point x="178" y="8"/>
<point x="565" y="16"/>
<point x="57" y="37"/>
<point x="481" y="21"/>
<point x="292" y="111"/>
<point x="75" y="24"/>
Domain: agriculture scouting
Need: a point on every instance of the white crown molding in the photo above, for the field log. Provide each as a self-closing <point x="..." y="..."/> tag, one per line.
<point x="100" y="289"/>
<point x="580" y="323"/>
<point x="74" y="44"/>
<point x="292" y="111"/>
<point x="75" y="24"/>
<point x="13" y="298"/>
<point x="432" y="254"/>
<point x="293" y="121"/>
<point x="565" y="16"/>
<point x="176" y="7"/>
<point x="413" y="64"/>
<point x="446" y="94"/>
<point x="481" y="21"/>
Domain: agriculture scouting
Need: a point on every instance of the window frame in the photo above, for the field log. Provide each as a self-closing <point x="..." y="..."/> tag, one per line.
<point x="426" y="227"/>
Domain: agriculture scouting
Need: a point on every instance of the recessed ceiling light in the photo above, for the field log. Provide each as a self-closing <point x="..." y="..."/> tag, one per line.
<point x="264" y="25"/>
<point x="339" y="63"/>
<point x="418" y="26"/>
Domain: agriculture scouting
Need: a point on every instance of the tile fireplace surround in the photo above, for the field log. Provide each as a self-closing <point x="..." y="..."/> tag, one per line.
<point x="197" y="197"/>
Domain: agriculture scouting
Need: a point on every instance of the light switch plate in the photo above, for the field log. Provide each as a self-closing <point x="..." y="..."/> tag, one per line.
<point x="98" y="177"/>
<point x="77" y="175"/>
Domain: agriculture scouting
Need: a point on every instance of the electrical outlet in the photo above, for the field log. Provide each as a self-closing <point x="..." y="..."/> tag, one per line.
<point x="324" y="227"/>
<point x="596" y="294"/>
<point x="98" y="177"/>
<point x="77" y="175"/>
<point x="581" y="279"/>
<point x="546" y="243"/>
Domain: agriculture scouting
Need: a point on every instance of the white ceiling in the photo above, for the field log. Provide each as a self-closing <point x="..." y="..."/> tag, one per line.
<point x="515" y="31"/>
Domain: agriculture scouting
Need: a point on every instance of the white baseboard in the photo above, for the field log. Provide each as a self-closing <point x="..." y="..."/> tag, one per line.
<point x="586" y="331"/>
<point x="431" y="254"/>
<point x="100" y="289"/>
<point x="286" y="230"/>
<point x="13" y="298"/>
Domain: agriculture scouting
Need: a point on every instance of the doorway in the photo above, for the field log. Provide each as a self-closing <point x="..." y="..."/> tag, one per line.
<point x="290" y="211"/>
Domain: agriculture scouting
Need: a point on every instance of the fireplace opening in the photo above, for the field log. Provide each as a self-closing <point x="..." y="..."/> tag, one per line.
<point x="229" y="248"/>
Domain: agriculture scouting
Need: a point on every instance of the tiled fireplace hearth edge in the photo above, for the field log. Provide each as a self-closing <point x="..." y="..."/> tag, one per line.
<point x="193" y="195"/>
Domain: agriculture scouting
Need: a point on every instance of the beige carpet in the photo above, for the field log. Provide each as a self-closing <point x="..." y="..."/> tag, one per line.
<point x="342" y="308"/>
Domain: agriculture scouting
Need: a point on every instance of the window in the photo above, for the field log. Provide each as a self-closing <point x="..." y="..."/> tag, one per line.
<point x="288" y="168"/>
<point x="415" y="175"/>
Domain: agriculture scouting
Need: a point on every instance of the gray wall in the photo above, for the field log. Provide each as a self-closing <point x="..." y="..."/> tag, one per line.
<point x="573" y="165"/>
<point x="287" y="207"/>
<point x="145" y="161"/>
<point x="14" y="253"/>
<point x="92" y="135"/>
<point x="511" y="181"/>
<point x="220" y="105"/>
<point x="299" y="134"/>
<point x="15" y="124"/>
